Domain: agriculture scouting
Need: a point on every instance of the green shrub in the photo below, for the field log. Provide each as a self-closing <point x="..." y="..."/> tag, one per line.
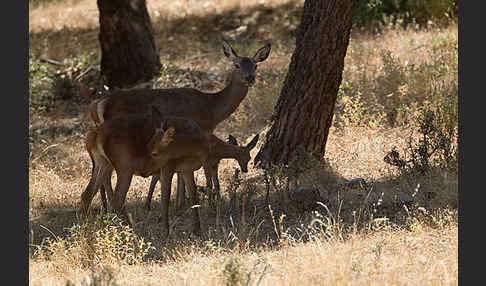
<point x="436" y="145"/>
<point x="235" y="274"/>
<point x="63" y="88"/>
<point x="375" y="13"/>
<point x="107" y="241"/>
<point x="392" y="91"/>
<point x="40" y="81"/>
<point x="49" y="83"/>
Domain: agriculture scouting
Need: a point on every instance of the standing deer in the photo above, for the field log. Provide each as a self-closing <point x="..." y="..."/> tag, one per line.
<point x="218" y="150"/>
<point x="141" y="144"/>
<point x="206" y="109"/>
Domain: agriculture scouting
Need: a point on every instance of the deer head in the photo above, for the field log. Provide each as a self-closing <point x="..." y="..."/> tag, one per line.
<point x="246" y="67"/>
<point x="163" y="135"/>
<point x="245" y="157"/>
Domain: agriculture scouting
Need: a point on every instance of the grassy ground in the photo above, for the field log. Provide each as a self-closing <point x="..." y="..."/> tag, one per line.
<point x="360" y="239"/>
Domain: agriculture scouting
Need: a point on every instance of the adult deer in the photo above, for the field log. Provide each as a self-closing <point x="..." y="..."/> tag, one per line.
<point x="218" y="150"/>
<point x="206" y="109"/>
<point x="141" y="144"/>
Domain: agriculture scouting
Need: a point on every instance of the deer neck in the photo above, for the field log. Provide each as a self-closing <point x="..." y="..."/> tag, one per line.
<point x="227" y="100"/>
<point x="223" y="150"/>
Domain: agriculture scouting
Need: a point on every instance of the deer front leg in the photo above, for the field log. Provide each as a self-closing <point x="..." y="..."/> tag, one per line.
<point x="153" y="183"/>
<point x="214" y="178"/>
<point x="166" y="175"/>
<point x="191" y="186"/>
<point x="211" y="174"/>
<point x="181" y="194"/>
<point x="209" y="179"/>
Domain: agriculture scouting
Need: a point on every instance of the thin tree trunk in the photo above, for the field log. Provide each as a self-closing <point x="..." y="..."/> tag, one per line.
<point x="128" y="51"/>
<point x="304" y="111"/>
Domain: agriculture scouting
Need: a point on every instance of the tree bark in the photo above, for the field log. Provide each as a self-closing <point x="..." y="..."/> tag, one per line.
<point x="304" y="111"/>
<point x="128" y="51"/>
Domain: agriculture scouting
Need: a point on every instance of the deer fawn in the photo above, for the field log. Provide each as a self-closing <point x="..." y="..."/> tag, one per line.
<point x="206" y="109"/>
<point x="218" y="150"/>
<point x="142" y="144"/>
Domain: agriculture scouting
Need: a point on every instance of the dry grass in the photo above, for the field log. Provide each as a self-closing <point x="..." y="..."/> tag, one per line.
<point x="55" y="15"/>
<point x="415" y="246"/>
<point x="425" y="256"/>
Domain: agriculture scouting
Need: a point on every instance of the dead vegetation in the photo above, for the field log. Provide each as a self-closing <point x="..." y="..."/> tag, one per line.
<point x="399" y="228"/>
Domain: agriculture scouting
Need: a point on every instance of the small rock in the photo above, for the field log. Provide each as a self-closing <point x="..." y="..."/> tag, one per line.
<point x="305" y="199"/>
<point x="356" y="183"/>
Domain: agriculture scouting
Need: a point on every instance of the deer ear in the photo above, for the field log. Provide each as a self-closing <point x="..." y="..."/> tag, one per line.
<point x="157" y="118"/>
<point x="232" y="140"/>
<point x="252" y="143"/>
<point x="228" y="50"/>
<point x="262" y="53"/>
<point x="168" y="136"/>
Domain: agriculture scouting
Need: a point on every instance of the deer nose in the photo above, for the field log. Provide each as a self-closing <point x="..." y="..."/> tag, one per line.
<point x="250" y="79"/>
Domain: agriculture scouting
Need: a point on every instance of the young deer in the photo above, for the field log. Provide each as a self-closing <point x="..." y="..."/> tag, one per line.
<point x="218" y="150"/>
<point x="142" y="144"/>
<point x="206" y="109"/>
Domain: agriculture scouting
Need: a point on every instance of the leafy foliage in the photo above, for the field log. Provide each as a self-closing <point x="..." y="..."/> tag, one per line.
<point x="374" y="13"/>
<point x="436" y="144"/>
<point x="53" y="82"/>
<point x="392" y="91"/>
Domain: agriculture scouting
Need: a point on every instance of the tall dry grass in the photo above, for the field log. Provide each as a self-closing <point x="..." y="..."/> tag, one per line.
<point x="421" y="255"/>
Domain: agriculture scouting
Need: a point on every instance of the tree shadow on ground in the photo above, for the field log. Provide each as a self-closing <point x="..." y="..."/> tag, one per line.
<point x="184" y="37"/>
<point x="263" y="223"/>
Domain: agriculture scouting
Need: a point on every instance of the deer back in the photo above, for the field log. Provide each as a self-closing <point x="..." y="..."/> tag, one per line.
<point x="184" y="102"/>
<point x="124" y="141"/>
<point x="207" y="109"/>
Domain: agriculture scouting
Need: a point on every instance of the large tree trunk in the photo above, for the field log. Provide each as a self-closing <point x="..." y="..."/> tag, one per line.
<point x="304" y="111"/>
<point x="128" y="52"/>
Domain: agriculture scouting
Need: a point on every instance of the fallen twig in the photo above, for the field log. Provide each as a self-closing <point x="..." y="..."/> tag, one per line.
<point x="87" y="71"/>
<point x="53" y="62"/>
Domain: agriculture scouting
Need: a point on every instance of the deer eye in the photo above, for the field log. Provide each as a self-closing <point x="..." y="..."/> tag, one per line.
<point x="154" y="154"/>
<point x="237" y="65"/>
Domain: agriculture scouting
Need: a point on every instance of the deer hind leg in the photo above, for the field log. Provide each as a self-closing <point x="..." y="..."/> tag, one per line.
<point x="97" y="176"/>
<point x="107" y="189"/>
<point x="103" y="199"/>
<point x="153" y="183"/>
<point x="166" y="175"/>
<point x="88" y="194"/>
<point x="123" y="182"/>
<point x="194" y="200"/>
